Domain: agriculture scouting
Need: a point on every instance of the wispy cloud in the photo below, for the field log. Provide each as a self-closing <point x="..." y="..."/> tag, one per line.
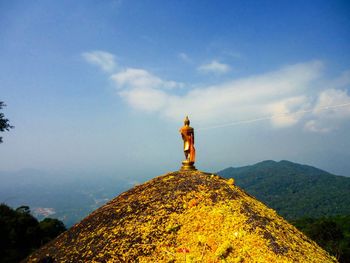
<point x="290" y="95"/>
<point x="325" y="116"/>
<point x="282" y="111"/>
<point x="103" y="59"/>
<point x="342" y="81"/>
<point x="143" y="90"/>
<point x="268" y="94"/>
<point x="184" y="57"/>
<point x="214" y="67"/>
<point x="233" y="54"/>
<point x="140" y="78"/>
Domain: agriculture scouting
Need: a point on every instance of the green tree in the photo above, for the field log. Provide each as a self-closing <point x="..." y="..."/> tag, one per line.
<point x="21" y="233"/>
<point x="51" y="228"/>
<point x="4" y="123"/>
<point x="331" y="233"/>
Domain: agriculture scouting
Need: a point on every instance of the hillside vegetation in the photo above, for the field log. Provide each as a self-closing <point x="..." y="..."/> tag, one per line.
<point x="331" y="233"/>
<point x="294" y="190"/>
<point x="21" y="233"/>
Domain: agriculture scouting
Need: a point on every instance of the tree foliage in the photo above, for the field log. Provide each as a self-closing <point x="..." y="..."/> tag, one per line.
<point x="21" y="233"/>
<point x="331" y="233"/>
<point x="4" y="123"/>
<point x="51" y="228"/>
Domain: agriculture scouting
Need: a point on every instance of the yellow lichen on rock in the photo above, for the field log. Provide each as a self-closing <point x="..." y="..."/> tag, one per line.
<point x="231" y="181"/>
<point x="186" y="216"/>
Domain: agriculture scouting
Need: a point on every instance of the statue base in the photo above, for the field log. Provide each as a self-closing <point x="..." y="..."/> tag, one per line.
<point x="187" y="165"/>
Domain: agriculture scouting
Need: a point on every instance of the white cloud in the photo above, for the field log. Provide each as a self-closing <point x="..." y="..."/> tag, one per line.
<point x="145" y="98"/>
<point x="332" y="107"/>
<point x="287" y="96"/>
<point x="143" y="90"/>
<point x="288" y="112"/>
<point x="314" y="126"/>
<point x="103" y="59"/>
<point x="330" y="97"/>
<point x="239" y="99"/>
<point x="140" y="78"/>
<point x="214" y="67"/>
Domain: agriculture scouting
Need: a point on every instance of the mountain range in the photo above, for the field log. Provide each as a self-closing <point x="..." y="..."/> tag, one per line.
<point x="294" y="190"/>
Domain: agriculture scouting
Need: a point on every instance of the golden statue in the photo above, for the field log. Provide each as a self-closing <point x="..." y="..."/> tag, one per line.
<point x="187" y="134"/>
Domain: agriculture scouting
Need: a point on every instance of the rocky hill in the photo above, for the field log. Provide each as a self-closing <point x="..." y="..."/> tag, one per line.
<point x="185" y="216"/>
<point x="293" y="189"/>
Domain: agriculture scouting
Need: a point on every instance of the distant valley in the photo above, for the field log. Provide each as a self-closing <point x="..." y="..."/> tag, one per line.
<point x="67" y="199"/>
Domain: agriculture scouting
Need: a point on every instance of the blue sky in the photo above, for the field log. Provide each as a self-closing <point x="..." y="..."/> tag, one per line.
<point x="104" y="85"/>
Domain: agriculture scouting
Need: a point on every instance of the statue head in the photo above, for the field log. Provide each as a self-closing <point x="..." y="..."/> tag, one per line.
<point x="187" y="121"/>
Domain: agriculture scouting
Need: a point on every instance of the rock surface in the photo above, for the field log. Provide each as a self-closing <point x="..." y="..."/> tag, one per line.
<point x="184" y="216"/>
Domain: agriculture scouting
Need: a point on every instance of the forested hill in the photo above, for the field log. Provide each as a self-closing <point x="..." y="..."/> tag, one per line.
<point x="294" y="190"/>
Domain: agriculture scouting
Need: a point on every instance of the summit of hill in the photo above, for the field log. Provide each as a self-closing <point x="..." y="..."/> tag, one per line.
<point x="183" y="216"/>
